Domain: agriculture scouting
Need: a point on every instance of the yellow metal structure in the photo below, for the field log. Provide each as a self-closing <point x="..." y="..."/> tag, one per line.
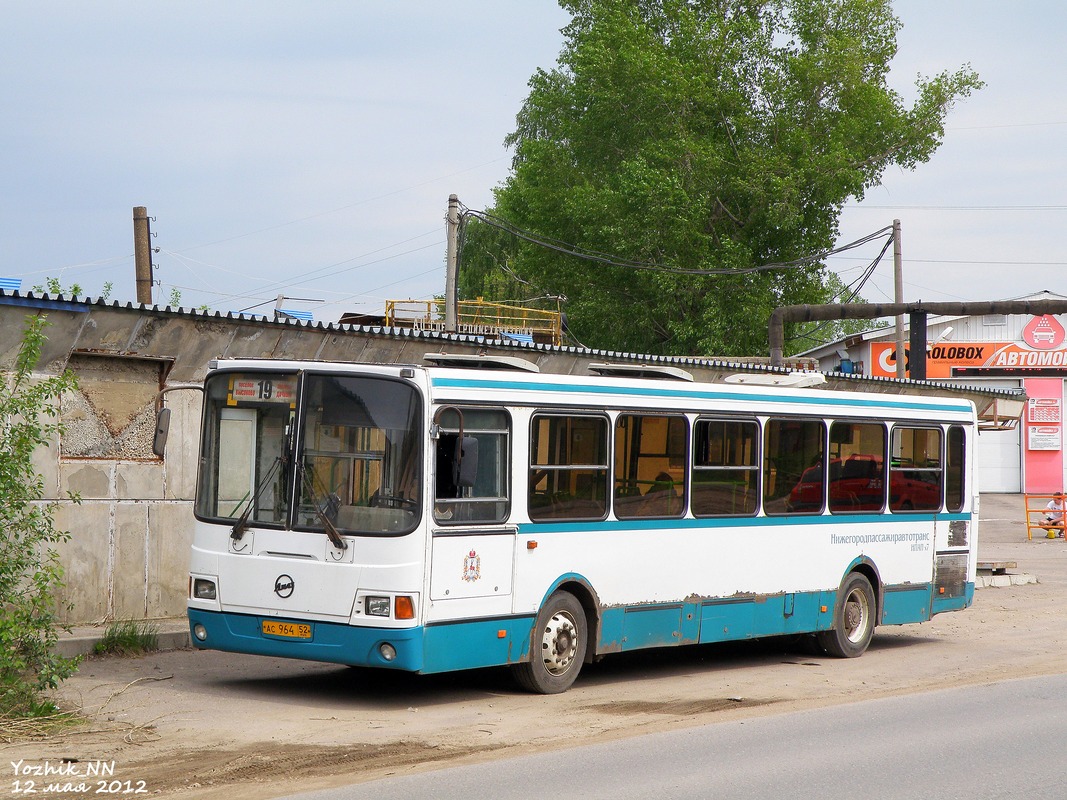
<point x="479" y="318"/>
<point x="1038" y="517"/>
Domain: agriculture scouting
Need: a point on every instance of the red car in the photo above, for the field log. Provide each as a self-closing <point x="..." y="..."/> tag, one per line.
<point x="857" y="484"/>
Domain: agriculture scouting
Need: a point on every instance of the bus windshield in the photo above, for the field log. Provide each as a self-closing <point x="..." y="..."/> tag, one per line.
<point x="361" y="464"/>
<point x="360" y="461"/>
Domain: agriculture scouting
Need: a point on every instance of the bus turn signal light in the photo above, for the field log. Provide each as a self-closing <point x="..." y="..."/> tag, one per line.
<point x="404" y="608"/>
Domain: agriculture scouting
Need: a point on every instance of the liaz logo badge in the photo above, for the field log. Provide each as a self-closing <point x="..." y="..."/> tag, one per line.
<point x="1043" y="333"/>
<point x="283" y="586"/>
<point x="472" y="567"/>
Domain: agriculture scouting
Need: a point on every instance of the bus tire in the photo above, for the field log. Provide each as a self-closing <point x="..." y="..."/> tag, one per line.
<point x="854" y="618"/>
<point x="558" y="644"/>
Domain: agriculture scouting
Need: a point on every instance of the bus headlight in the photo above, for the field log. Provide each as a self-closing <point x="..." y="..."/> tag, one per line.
<point x="200" y="632"/>
<point x="388" y="652"/>
<point x="377" y="606"/>
<point x="203" y="589"/>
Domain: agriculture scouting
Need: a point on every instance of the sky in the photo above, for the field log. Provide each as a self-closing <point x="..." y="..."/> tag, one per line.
<point x="309" y="149"/>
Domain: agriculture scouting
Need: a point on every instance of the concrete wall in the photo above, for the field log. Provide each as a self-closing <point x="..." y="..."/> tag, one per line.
<point x="128" y="554"/>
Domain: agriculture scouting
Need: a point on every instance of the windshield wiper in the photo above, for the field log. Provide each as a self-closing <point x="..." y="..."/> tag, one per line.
<point x="239" y="527"/>
<point x="320" y="503"/>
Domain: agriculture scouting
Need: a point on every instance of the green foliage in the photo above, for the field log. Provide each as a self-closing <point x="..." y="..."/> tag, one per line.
<point x="53" y="286"/>
<point x="128" y="638"/>
<point x="30" y="571"/>
<point x="174" y="299"/>
<point x="702" y="135"/>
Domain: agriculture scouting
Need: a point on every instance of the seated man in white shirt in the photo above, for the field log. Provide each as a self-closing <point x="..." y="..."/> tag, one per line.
<point x="1055" y="516"/>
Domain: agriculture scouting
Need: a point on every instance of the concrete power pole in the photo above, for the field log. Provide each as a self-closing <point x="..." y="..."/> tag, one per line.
<point x="142" y="255"/>
<point x="898" y="283"/>
<point x="452" y="264"/>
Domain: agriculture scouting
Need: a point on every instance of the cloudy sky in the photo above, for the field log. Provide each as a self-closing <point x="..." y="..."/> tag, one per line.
<point x="308" y="149"/>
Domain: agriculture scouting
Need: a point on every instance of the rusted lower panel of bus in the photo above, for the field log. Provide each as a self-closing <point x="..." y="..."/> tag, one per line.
<point x="698" y="619"/>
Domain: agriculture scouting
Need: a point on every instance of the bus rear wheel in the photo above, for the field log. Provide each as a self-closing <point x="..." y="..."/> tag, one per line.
<point x="853" y="619"/>
<point x="557" y="646"/>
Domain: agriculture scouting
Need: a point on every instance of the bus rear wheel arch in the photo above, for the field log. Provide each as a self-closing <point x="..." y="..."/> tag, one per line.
<point x="855" y="614"/>
<point x="558" y="645"/>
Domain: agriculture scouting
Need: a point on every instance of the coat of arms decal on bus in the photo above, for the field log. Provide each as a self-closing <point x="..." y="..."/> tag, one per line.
<point x="472" y="567"/>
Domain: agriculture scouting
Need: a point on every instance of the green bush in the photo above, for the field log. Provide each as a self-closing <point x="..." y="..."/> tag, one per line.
<point x="30" y="572"/>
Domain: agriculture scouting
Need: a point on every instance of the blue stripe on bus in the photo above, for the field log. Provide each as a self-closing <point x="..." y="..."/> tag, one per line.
<point x="470" y="644"/>
<point x="741" y="618"/>
<point x="904" y="604"/>
<point x="697" y="393"/>
<point x="330" y="641"/>
<point x="941" y="604"/>
<point x="791" y="521"/>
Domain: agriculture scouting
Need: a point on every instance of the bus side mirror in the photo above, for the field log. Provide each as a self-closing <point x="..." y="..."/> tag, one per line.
<point x="159" y="441"/>
<point x="465" y="462"/>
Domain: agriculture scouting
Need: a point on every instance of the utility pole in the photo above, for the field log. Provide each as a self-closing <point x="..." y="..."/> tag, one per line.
<point x="142" y="255"/>
<point x="452" y="263"/>
<point x="898" y="281"/>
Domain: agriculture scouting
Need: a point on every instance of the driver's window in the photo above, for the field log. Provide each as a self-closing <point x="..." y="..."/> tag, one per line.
<point x="475" y="491"/>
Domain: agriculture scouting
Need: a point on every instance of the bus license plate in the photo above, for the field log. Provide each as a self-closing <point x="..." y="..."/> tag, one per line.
<point x="290" y="630"/>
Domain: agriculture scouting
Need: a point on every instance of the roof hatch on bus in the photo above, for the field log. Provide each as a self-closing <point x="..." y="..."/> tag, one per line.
<point x="641" y="371"/>
<point x="794" y="380"/>
<point x="475" y="361"/>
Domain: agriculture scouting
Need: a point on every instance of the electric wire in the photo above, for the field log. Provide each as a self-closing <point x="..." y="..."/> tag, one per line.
<point x="616" y="261"/>
<point x="855" y="288"/>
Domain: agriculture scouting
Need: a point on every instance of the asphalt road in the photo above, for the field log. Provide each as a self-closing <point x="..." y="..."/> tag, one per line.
<point x="997" y="741"/>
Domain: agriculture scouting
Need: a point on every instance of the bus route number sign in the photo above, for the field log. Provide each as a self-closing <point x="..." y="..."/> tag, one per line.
<point x="261" y="389"/>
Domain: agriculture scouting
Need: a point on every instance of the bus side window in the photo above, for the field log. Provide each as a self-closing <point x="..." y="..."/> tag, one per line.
<point x="794" y="468"/>
<point x="955" y="482"/>
<point x="471" y="481"/>
<point x="649" y="466"/>
<point x="915" y="472"/>
<point x="725" y="468"/>
<point x="568" y="476"/>
<point x="857" y="467"/>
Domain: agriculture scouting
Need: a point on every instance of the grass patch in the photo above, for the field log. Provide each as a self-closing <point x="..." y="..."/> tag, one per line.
<point x="128" y="638"/>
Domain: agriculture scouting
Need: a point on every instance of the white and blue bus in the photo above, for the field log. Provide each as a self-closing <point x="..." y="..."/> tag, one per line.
<point x="435" y="518"/>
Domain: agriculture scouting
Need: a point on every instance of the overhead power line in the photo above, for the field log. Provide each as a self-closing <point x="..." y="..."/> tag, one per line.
<point x="611" y="260"/>
<point x="865" y="207"/>
<point x="617" y="261"/>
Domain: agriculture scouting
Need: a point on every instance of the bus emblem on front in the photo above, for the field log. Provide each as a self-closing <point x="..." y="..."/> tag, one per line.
<point x="283" y="586"/>
<point x="472" y="567"/>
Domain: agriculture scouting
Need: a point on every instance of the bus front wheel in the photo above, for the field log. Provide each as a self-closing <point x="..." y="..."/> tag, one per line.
<point x="853" y="619"/>
<point x="557" y="646"/>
